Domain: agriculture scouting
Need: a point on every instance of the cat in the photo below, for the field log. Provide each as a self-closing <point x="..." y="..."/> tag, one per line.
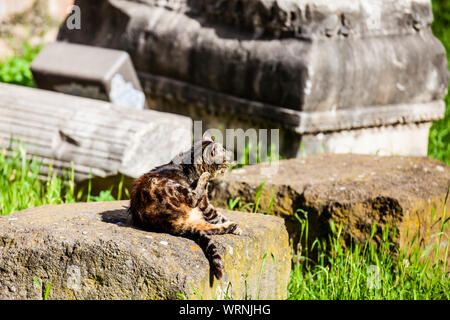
<point x="173" y="198"/>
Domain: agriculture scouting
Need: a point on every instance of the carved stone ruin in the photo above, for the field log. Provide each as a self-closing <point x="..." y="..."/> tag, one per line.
<point x="345" y="76"/>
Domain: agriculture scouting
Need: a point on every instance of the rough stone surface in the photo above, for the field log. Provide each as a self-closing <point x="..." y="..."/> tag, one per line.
<point x="318" y="18"/>
<point x="100" y="138"/>
<point x="308" y="19"/>
<point x="355" y="190"/>
<point x="87" y="251"/>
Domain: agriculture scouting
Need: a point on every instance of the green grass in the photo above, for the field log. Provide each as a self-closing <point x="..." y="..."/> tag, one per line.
<point x="368" y="272"/>
<point x="21" y="187"/>
<point x="253" y="207"/>
<point x="46" y="291"/>
<point x="16" y="69"/>
<point x="364" y="272"/>
<point x="252" y="155"/>
<point x="439" y="138"/>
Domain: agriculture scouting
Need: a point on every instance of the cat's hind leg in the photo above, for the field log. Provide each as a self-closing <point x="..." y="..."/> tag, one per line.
<point x="213" y="216"/>
<point x="199" y="230"/>
<point x="197" y="219"/>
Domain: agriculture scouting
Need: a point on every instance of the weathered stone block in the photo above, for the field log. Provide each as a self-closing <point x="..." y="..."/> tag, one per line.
<point x="87" y="251"/>
<point x="308" y="67"/>
<point x="288" y="72"/>
<point x="355" y="190"/>
<point x="95" y="137"/>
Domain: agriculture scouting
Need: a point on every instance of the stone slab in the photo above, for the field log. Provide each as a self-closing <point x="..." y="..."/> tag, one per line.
<point x="87" y="251"/>
<point x="355" y="190"/>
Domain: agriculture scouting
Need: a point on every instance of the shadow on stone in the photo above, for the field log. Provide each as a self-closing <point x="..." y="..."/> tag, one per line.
<point x="118" y="217"/>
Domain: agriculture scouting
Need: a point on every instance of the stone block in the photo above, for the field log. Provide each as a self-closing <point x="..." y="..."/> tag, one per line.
<point x="87" y="251"/>
<point x="90" y="72"/>
<point x="356" y="191"/>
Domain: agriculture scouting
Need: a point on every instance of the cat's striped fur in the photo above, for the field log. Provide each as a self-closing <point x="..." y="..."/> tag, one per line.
<point x="173" y="198"/>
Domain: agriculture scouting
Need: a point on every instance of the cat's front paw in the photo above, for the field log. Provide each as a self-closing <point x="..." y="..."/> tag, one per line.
<point x="238" y="231"/>
<point x="234" y="229"/>
<point x="204" y="178"/>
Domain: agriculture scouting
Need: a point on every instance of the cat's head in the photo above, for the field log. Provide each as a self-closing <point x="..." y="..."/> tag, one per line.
<point x="215" y="157"/>
<point x="206" y="155"/>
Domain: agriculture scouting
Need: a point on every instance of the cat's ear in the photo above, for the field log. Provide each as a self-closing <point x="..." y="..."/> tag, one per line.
<point x="207" y="137"/>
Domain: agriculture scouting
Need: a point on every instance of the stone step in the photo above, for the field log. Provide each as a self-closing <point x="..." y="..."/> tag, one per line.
<point x="87" y="251"/>
<point x="356" y="191"/>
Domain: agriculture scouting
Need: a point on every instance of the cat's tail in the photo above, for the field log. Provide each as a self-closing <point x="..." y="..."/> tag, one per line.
<point x="209" y="248"/>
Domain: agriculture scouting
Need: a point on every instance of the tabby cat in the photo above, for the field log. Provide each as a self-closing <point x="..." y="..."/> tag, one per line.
<point x="173" y="198"/>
